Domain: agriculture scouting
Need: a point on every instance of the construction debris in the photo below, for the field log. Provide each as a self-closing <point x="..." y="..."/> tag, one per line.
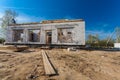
<point x="71" y="49"/>
<point x="33" y="73"/>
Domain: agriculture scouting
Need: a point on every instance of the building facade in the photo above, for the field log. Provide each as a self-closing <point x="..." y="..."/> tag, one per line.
<point x="54" y="32"/>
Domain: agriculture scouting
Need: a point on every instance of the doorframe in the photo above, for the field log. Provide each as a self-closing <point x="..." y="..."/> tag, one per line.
<point x="49" y="36"/>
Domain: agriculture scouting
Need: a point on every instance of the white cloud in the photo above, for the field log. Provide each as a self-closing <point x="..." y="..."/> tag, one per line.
<point x="24" y="19"/>
<point x="1" y="15"/>
<point x="10" y="7"/>
<point x="105" y="25"/>
<point x="69" y="17"/>
<point x="102" y="34"/>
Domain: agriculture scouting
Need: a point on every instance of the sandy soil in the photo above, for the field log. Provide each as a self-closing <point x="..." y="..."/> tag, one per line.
<point x="74" y="65"/>
<point x="86" y="65"/>
<point x="21" y="65"/>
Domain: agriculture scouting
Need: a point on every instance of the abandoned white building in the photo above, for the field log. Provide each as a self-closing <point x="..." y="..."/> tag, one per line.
<point x="51" y="32"/>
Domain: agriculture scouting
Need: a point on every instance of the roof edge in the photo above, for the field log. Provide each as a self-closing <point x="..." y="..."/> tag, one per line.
<point x="49" y="21"/>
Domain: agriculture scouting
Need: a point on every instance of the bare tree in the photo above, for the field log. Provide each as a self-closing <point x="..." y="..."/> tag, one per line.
<point x="117" y="30"/>
<point x="93" y="40"/>
<point x="8" y="18"/>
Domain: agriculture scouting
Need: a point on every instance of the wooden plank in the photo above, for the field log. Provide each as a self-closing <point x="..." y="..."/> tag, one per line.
<point x="49" y="70"/>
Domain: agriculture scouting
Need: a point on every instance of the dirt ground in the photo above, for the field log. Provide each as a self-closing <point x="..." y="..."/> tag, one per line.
<point x="70" y="65"/>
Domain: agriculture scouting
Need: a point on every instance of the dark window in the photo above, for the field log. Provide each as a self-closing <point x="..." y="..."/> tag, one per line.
<point x="69" y="32"/>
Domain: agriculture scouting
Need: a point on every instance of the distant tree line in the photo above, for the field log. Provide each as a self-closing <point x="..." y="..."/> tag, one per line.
<point x="95" y="41"/>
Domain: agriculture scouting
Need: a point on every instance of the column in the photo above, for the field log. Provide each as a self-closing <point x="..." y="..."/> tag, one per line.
<point x="26" y="36"/>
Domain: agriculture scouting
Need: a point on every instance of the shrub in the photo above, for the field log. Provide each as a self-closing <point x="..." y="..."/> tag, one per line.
<point x="2" y="40"/>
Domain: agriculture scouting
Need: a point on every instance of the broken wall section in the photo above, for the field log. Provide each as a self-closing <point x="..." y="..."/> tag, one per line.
<point x="65" y="35"/>
<point x="34" y="35"/>
<point x="18" y="35"/>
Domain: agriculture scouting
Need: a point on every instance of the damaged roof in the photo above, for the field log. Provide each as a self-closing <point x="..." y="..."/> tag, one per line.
<point x="49" y="21"/>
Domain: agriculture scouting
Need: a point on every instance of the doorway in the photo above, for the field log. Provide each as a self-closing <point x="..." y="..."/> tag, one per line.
<point x="48" y="37"/>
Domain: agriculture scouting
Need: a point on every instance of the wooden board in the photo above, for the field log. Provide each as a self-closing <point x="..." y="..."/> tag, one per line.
<point x="49" y="70"/>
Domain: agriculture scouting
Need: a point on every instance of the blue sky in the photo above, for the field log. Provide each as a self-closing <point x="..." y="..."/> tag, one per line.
<point x="101" y="16"/>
